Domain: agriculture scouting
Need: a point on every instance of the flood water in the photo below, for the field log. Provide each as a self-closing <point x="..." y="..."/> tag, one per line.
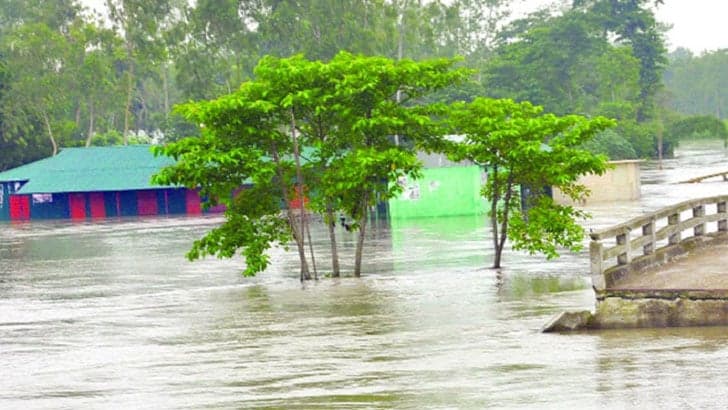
<point x="111" y="315"/>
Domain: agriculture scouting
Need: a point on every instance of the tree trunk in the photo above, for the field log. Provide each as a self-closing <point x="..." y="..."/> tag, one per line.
<point x="298" y="237"/>
<point x="299" y="185"/>
<point x="78" y="115"/>
<point x="718" y="106"/>
<point x="331" y="223"/>
<point x="90" y="135"/>
<point x="659" y="147"/>
<point x="360" y="239"/>
<point x="504" y="223"/>
<point x="165" y="85"/>
<point x="129" y="92"/>
<point x="143" y="110"/>
<point x="47" y="123"/>
<point x="494" y="220"/>
<point x="496" y="244"/>
<point x="400" y="51"/>
<point x="292" y="219"/>
<point x="310" y="248"/>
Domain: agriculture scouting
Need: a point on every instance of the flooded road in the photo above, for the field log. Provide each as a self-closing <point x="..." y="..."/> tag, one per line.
<point x="112" y="316"/>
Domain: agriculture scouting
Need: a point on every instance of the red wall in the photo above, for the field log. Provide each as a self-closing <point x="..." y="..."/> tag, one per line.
<point x="98" y="208"/>
<point x="77" y="205"/>
<point x="193" y="202"/>
<point x="296" y="200"/>
<point x="19" y="207"/>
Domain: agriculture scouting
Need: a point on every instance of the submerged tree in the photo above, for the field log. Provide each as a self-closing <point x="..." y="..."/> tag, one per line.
<point x="242" y="142"/>
<point x="344" y="112"/>
<point x="523" y="147"/>
<point x="374" y="99"/>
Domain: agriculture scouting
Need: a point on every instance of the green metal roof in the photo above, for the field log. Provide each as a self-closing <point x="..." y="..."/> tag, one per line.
<point x="117" y="168"/>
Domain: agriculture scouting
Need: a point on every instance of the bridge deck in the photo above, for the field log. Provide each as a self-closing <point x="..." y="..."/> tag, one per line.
<point x="702" y="269"/>
<point x="723" y="174"/>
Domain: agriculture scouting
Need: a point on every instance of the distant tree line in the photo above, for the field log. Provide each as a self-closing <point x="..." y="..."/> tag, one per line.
<point x="698" y="84"/>
<point x="70" y="76"/>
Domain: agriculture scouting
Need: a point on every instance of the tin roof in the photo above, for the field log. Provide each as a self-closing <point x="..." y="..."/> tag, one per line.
<point x="115" y="168"/>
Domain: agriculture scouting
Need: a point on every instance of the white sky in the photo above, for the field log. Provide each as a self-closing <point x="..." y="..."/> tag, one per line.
<point x="698" y="25"/>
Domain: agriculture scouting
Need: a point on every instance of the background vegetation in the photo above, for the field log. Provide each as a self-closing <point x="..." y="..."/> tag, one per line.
<point x="70" y="76"/>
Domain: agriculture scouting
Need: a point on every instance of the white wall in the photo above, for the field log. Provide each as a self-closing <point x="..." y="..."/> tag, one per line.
<point x="621" y="183"/>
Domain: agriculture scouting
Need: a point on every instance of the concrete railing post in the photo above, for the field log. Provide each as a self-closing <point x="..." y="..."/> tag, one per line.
<point x="596" y="257"/>
<point x="673" y="220"/>
<point x="699" y="212"/>
<point x="625" y="257"/>
<point x="722" y="223"/>
<point x="649" y="230"/>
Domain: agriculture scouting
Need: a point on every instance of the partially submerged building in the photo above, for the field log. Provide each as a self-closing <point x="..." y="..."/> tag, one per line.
<point x="621" y="182"/>
<point x="93" y="182"/>
<point x="446" y="188"/>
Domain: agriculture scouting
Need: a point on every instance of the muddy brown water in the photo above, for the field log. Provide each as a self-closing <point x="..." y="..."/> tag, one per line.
<point x="111" y="315"/>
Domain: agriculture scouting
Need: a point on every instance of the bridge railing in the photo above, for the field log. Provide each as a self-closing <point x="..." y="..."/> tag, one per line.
<point x="653" y="238"/>
<point x="695" y="180"/>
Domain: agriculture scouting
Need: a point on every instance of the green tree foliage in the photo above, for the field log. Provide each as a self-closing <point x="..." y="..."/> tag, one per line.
<point x="215" y="47"/>
<point x="698" y="85"/>
<point x="143" y="24"/>
<point x="634" y="24"/>
<point x="551" y="65"/>
<point x="522" y="146"/>
<point x="39" y="94"/>
<point x="373" y="99"/>
<point x="698" y="127"/>
<point x="345" y="111"/>
<point x="92" y="81"/>
<point x="241" y="142"/>
<point x="56" y="15"/>
<point x="124" y="76"/>
<point x="611" y="144"/>
<point x="61" y="79"/>
<point x="17" y="143"/>
<point x="600" y="57"/>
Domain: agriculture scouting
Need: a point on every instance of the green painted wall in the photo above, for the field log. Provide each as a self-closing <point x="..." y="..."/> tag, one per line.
<point x="440" y="192"/>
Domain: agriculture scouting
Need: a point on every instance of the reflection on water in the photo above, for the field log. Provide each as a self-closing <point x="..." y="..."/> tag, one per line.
<point x="112" y="315"/>
<point x="521" y="285"/>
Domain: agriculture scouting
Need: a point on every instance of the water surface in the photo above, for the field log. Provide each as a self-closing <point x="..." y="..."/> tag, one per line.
<point x="112" y="316"/>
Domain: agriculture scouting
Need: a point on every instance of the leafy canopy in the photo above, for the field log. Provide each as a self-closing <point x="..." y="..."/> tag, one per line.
<point x="522" y="146"/>
<point x="344" y="113"/>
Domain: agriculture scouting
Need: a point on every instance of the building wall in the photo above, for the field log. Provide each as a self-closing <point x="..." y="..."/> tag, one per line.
<point x="8" y="206"/>
<point x="94" y="205"/>
<point x="622" y="183"/>
<point x="4" y="202"/>
<point x="447" y="191"/>
<point x="20" y="207"/>
<point x="49" y="206"/>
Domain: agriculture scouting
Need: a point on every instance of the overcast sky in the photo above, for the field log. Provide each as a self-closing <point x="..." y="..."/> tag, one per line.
<point x="698" y="25"/>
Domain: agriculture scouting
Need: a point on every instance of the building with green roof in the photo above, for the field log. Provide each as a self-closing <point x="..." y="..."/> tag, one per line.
<point x="93" y="182"/>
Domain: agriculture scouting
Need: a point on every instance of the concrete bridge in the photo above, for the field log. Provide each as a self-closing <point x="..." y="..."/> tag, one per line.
<point x="664" y="268"/>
